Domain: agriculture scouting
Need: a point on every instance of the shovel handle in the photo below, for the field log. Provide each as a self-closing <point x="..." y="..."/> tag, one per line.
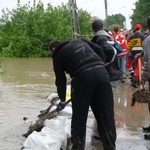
<point x="68" y="101"/>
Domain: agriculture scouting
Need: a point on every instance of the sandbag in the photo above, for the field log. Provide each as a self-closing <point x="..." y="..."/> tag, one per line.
<point x="52" y="137"/>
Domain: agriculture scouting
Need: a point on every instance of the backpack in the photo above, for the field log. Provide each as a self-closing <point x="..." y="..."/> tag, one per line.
<point x="102" y="40"/>
<point x="116" y="45"/>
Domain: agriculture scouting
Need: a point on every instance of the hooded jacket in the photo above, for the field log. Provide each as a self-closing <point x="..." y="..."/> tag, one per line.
<point x="101" y="38"/>
<point x="73" y="56"/>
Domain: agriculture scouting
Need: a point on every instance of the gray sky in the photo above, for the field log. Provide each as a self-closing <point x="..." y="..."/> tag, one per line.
<point x="95" y="7"/>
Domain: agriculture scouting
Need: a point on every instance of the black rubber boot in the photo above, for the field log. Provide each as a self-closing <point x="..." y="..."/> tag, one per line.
<point x="147" y="136"/>
<point x="146" y="129"/>
<point x="75" y="147"/>
<point x="134" y="83"/>
<point x="108" y="141"/>
<point x="78" y="144"/>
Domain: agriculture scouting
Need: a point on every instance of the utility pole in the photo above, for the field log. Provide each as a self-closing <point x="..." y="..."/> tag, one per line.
<point x="106" y="13"/>
<point x="74" y="19"/>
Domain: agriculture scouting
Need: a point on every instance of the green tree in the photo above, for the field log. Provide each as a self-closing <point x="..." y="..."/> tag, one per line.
<point x="26" y="31"/>
<point x="140" y="13"/>
<point x="85" y="24"/>
<point x="115" y="20"/>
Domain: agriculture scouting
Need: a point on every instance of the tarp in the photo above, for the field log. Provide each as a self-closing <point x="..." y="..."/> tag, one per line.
<point x="55" y="132"/>
<point x="53" y="135"/>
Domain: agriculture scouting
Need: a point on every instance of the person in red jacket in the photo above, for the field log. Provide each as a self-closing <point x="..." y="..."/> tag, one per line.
<point x="121" y="39"/>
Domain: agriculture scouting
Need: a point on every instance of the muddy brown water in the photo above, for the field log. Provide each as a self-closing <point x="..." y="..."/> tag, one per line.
<point x="24" y="87"/>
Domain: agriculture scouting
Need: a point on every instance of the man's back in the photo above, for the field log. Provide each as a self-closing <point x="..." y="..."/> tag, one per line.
<point x="90" y="88"/>
<point x="76" y="55"/>
<point x="112" y="68"/>
<point x="135" y="43"/>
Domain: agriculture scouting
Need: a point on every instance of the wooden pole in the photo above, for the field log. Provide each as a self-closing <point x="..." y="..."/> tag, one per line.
<point x="106" y="14"/>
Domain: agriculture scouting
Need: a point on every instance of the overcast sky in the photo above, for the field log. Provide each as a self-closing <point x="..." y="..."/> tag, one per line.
<point x="95" y="7"/>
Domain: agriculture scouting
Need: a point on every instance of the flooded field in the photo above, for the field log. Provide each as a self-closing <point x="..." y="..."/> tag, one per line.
<point x="24" y="87"/>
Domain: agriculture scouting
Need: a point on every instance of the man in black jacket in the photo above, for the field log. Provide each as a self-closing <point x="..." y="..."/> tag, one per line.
<point x="90" y="87"/>
<point x="103" y="39"/>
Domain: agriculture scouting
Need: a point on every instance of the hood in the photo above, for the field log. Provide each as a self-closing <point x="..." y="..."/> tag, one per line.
<point x="102" y="32"/>
<point x="61" y="45"/>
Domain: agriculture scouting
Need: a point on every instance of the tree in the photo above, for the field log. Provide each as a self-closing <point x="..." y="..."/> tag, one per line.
<point x="115" y="20"/>
<point x="140" y="13"/>
<point x="85" y="24"/>
<point x="26" y="31"/>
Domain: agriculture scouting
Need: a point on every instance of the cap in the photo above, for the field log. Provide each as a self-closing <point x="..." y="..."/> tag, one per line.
<point x="138" y="27"/>
<point x="97" y="24"/>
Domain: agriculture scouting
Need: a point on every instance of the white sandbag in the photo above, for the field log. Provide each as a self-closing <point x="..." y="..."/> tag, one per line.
<point x="41" y="141"/>
<point x="56" y="124"/>
<point x="55" y="95"/>
<point x="60" y="126"/>
<point x="52" y="137"/>
<point x="52" y="96"/>
<point x="68" y="128"/>
<point x="67" y="112"/>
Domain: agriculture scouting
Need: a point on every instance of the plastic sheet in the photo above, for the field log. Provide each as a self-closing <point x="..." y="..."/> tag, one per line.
<point x="55" y="132"/>
<point x="52" y="137"/>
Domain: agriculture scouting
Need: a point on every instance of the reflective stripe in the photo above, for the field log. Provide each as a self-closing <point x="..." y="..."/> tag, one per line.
<point x="111" y="42"/>
<point x="137" y="48"/>
<point x="115" y="53"/>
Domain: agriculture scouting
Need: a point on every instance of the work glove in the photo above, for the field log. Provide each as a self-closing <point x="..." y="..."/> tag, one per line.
<point x="60" y="106"/>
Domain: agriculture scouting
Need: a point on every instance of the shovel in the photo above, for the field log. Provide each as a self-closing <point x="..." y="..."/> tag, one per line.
<point x="53" y="103"/>
<point x="39" y="123"/>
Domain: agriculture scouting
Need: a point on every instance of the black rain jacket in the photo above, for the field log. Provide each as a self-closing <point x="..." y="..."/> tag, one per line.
<point x="101" y="38"/>
<point x="73" y="56"/>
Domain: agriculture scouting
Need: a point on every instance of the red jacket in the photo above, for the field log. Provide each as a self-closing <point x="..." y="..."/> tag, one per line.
<point x="121" y="39"/>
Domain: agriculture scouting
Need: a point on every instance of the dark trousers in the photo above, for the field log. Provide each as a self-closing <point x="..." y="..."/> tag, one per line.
<point x="91" y="87"/>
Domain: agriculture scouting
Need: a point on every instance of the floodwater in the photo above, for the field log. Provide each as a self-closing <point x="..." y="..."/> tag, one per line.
<point x="28" y="81"/>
